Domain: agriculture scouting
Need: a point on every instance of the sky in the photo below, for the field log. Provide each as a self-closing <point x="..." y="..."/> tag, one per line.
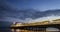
<point x="42" y="5"/>
<point x="14" y="10"/>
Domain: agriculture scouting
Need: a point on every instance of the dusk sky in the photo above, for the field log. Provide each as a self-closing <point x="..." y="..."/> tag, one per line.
<point x="28" y="11"/>
<point x="15" y="10"/>
<point x="35" y="4"/>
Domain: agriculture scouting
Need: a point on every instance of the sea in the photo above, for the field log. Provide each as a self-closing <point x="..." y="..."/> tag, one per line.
<point x="5" y="29"/>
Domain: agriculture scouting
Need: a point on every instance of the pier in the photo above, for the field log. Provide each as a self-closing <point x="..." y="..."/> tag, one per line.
<point x="37" y="26"/>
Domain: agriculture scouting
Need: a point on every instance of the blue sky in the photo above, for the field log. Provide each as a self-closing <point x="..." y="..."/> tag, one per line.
<point x="35" y="4"/>
<point x="11" y="9"/>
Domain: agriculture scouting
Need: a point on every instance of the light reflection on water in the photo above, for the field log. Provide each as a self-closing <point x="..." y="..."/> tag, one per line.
<point x="25" y="31"/>
<point x="18" y="30"/>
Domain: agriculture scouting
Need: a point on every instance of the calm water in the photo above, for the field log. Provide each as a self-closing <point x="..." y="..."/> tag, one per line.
<point x="4" y="29"/>
<point x="7" y="29"/>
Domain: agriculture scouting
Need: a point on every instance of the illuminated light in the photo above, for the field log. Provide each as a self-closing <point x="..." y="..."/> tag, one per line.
<point x="17" y="29"/>
<point x="19" y="24"/>
<point x="25" y="30"/>
<point x="12" y="30"/>
<point x="46" y="23"/>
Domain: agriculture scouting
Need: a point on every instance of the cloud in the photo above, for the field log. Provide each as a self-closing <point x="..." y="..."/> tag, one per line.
<point x="50" y="18"/>
<point x="8" y="11"/>
<point x="11" y="19"/>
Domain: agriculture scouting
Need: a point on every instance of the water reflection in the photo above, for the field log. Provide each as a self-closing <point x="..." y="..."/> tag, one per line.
<point x="19" y="30"/>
